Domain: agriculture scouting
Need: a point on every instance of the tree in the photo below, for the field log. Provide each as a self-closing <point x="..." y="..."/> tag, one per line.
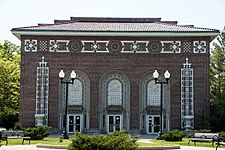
<point x="217" y="80"/>
<point x="9" y="83"/>
<point x="8" y="50"/>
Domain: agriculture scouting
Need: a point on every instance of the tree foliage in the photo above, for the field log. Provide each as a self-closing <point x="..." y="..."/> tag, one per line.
<point x="9" y="81"/>
<point x="8" y="50"/>
<point x="217" y="80"/>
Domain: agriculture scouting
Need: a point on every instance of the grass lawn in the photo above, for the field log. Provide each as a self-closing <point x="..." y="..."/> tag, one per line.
<point x="55" y="141"/>
<point x="52" y="141"/>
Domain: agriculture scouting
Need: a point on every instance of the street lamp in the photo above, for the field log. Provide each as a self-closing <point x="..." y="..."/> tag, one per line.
<point x="161" y="82"/>
<point x="67" y="82"/>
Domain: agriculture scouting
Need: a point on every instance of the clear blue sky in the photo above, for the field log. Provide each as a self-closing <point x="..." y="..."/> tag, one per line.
<point x="17" y="13"/>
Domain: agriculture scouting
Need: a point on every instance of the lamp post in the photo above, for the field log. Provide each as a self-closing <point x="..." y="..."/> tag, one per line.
<point x="67" y="82"/>
<point x="161" y="82"/>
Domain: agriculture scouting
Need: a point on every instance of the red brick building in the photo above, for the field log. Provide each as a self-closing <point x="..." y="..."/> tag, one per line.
<point x="114" y="59"/>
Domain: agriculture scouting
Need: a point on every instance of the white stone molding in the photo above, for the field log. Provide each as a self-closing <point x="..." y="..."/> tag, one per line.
<point x="30" y="45"/>
<point x="58" y="46"/>
<point x="173" y="47"/>
<point x="187" y="96"/>
<point x="199" y="47"/>
<point x="42" y="93"/>
<point x="115" y="46"/>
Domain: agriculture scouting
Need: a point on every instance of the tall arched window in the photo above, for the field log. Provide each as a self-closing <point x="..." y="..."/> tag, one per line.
<point x="153" y="94"/>
<point x="114" y="92"/>
<point x="75" y="94"/>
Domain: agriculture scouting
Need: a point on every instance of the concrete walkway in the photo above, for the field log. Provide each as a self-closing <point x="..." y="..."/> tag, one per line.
<point x="198" y="148"/>
<point x="23" y="147"/>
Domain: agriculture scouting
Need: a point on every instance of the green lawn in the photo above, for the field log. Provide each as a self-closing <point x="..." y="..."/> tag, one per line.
<point x="55" y="141"/>
<point x="52" y="141"/>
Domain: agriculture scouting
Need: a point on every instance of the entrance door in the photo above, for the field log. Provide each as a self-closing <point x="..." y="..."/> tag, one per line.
<point x="152" y="124"/>
<point x="74" y="123"/>
<point x="114" y="123"/>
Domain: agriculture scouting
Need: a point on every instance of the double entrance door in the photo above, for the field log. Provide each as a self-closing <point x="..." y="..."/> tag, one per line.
<point x="152" y="124"/>
<point x="114" y="123"/>
<point x="74" y="123"/>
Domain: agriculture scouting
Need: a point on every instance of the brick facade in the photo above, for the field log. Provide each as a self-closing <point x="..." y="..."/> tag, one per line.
<point x="95" y="65"/>
<point x="130" y="58"/>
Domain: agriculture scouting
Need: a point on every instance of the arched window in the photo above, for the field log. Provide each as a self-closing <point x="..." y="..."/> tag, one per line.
<point x="153" y="94"/>
<point x="75" y="94"/>
<point x="114" y="92"/>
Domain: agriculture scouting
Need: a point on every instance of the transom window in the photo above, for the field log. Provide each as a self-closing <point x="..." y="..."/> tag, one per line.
<point x="114" y="92"/>
<point x="75" y="94"/>
<point x="153" y="94"/>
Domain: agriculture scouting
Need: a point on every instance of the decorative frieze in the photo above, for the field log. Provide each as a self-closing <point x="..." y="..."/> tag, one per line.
<point x="43" y="46"/>
<point x="58" y="46"/>
<point x="30" y="45"/>
<point x="115" y="46"/>
<point x="187" y="46"/>
<point x="199" y="47"/>
<point x="134" y="47"/>
<point x="95" y="46"/>
<point x="75" y="46"/>
<point x="171" y="47"/>
<point x="154" y="46"/>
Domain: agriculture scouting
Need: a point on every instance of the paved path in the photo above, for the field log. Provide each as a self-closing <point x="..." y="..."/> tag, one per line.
<point x="198" y="148"/>
<point x="23" y="147"/>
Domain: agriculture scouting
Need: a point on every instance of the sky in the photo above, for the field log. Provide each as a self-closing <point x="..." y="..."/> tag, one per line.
<point x="20" y="13"/>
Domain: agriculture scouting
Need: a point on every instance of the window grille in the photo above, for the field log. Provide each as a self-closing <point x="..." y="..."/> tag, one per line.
<point x="42" y="89"/>
<point x="153" y="94"/>
<point x="75" y="96"/>
<point x="187" y="97"/>
<point x="114" y="92"/>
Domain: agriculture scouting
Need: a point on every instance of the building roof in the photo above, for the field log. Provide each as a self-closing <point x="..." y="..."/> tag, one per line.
<point x="111" y="25"/>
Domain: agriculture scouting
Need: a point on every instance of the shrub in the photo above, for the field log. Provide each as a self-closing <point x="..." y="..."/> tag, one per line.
<point x="37" y="133"/>
<point x="175" y="135"/>
<point x="116" y="141"/>
<point x="8" y="119"/>
<point x="17" y="126"/>
<point x="222" y="135"/>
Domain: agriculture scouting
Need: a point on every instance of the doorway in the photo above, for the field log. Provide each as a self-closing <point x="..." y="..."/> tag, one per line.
<point x="114" y="123"/>
<point x="74" y="123"/>
<point x="152" y="124"/>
